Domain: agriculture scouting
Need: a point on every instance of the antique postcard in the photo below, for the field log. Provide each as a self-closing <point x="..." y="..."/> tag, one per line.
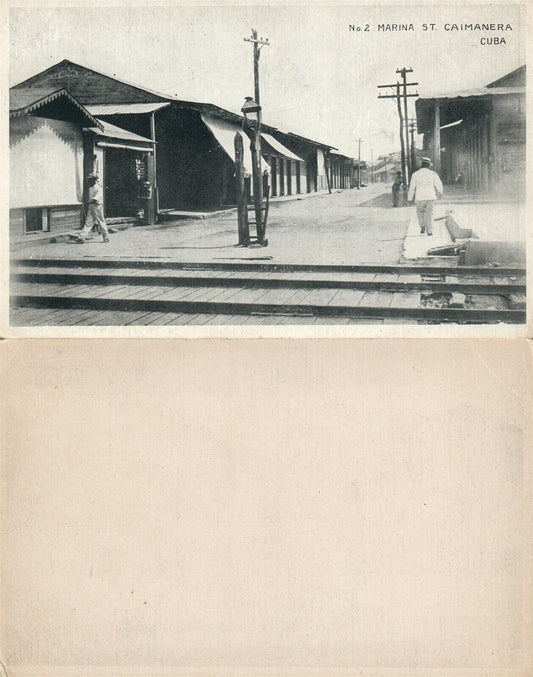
<point x="270" y="170"/>
<point x="260" y="507"/>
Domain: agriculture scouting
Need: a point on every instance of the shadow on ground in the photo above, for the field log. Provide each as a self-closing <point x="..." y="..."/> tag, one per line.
<point x="383" y="201"/>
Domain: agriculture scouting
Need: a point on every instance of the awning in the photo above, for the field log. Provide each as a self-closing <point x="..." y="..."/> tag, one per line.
<point x="126" y="146"/>
<point x="110" y="131"/>
<point x="125" y="108"/>
<point x="224" y="132"/>
<point x="280" y="148"/>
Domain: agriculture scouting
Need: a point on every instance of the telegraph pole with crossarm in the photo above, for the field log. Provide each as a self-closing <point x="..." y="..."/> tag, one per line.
<point x="404" y="129"/>
<point x="258" y="44"/>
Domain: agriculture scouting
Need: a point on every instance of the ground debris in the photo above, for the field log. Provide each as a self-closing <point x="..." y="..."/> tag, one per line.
<point x="457" y="300"/>
<point x="517" y="301"/>
<point x="435" y="300"/>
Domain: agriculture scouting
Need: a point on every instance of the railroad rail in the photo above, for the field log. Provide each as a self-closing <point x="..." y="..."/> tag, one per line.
<point x="419" y="293"/>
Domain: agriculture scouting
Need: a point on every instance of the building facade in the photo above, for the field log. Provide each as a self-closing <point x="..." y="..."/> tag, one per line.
<point x="477" y="138"/>
<point x="168" y="154"/>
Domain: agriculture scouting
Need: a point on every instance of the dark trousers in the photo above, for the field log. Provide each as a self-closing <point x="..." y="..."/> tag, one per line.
<point x="395" y="197"/>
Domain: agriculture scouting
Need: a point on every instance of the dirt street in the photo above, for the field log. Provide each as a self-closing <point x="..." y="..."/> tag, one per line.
<point x="351" y="226"/>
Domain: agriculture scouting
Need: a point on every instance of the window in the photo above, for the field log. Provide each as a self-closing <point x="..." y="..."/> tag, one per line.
<point x="36" y="220"/>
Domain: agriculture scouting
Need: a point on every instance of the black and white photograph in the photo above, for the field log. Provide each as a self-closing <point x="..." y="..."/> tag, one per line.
<point x="267" y="165"/>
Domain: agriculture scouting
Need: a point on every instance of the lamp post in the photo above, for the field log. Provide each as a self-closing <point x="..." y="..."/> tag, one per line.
<point x="252" y="118"/>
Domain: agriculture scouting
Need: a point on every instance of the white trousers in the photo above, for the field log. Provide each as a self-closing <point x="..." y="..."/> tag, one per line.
<point x="95" y="215"/>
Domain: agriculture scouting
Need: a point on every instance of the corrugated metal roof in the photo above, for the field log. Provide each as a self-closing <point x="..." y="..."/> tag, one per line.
<point x="113" y="132"/>
<point x="125" y="108"/>
<point x="471" y="93"/>
<point x="280" y="148"/>
<point x="28" y="100"/>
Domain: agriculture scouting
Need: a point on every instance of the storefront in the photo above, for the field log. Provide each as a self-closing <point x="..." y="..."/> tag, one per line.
<point x="121" y="158"/>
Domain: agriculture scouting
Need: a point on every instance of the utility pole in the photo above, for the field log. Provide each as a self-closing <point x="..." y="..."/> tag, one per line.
<point x="412" y="127"/>
<point x="403" y="128"/>
<point x="359" y="141"/>
<point x="372" y="164"/>
<point x="258" y="44"/>
<point x="402" y="143"/>
<point x="403" y="71"/>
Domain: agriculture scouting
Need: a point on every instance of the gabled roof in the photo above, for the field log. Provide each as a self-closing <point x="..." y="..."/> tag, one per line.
<point x="67" y="63"/>
<point x="210" y="109"/>
<point x="512" y="78"/>
<point x="35" y="99"/>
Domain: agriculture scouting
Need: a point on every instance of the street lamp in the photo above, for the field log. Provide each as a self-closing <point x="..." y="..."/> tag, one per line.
<point x="252" y="120"/>
<point x="253" y="109"/>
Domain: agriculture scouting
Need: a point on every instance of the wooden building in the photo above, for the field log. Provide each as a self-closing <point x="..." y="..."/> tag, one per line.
<point x="343" y="170"/>
<point x="55" y="142"/>
<point x="314" y="170"/>
<point x="477" y="138"/>
<point x="46" y="160"/>
<point x="183" y="149"/>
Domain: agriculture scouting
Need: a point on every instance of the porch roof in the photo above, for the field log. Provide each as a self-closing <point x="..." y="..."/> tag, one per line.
<point x="110" y="131"/>
<point x="457" y="103"/>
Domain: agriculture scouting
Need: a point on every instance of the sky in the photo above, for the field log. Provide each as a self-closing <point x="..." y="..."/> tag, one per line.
<point x="318" y="78"/>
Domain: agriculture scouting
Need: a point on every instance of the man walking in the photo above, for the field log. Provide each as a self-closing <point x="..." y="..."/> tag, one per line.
<point x="95" y="211"/>
<point x="424" y="189"/>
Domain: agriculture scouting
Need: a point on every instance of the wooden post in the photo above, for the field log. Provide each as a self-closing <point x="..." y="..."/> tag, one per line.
<point x="406" y="123"/>
<point x="327" y="163"/>
<point x="257" y="180"/>
<point x="155" y="188"/>
<point x="436" y="138"/>
<point x="242" y="212"/>
<point x="402" y="143"/>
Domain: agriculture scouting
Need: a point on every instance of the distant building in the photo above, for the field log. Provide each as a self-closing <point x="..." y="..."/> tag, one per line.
<point x="477" y="138"/>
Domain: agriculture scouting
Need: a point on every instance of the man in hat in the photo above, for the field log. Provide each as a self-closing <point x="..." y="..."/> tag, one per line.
<point x="397" y="184"/>
<point x="424" y="189"/>
<point x="95" y="210"/>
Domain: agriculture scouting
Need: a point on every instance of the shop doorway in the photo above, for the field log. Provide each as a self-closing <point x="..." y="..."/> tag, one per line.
<point x="124" y="172"/>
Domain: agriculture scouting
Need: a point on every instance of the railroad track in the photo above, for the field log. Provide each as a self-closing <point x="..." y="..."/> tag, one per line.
<point x="417" y="293"/>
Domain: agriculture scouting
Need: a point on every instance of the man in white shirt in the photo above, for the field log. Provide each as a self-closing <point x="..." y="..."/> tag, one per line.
<point x="95" y="211"/>
<point x="424" y="189"/>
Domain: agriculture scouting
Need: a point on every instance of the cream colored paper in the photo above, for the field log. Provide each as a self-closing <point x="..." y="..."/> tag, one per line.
<point x="266" y="508"/>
